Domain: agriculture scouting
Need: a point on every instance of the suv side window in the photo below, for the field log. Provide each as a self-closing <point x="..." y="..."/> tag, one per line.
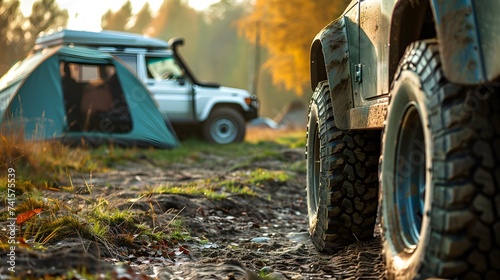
<point x="163" y="68"/>
<point x="130" y="60"/>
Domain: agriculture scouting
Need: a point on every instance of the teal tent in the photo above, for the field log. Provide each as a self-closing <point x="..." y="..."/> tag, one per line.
<point x="81" y="96"/>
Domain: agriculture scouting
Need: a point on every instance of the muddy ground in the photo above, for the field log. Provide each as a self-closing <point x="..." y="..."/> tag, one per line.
<point x="239" y="237"/>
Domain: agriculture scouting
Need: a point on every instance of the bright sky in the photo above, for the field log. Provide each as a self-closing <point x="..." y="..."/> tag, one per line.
<point x="86" y="15"/>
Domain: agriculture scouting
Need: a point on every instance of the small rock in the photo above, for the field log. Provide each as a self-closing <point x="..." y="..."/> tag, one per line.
<point x="210" y="246"/>
<point x="298" y="236"/>
<point x="261" y="240"/>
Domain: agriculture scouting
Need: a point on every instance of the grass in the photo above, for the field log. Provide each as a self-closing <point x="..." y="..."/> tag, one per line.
<point x="218" y="188"/>
<point x="47" y="158"/>
<point x="178" y="231"/>
<point x="97" y="221"/>
<point x="260" y="176"/>
<point x="213" y="189"/>
<point x="259" y="144"/>
<point x="40" y="166"/>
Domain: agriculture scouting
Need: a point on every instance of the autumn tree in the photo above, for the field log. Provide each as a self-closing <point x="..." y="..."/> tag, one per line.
<point x="45" y="15"/>
<point x="19" y="32"/>
<point x="286" y="29"/>
<point x="175" y="18"/>
<point x="124" y="20"/>
<point x="224" y="53"/>
<point x="140" y="21"/>
<point x="117" y="20"/>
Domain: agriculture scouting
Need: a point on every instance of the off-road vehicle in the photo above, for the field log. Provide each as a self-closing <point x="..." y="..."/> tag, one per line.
<point x="404" y="128"/>
<point x="219" y="113"/>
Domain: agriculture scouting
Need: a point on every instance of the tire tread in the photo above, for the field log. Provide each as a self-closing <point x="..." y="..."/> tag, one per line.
<point x="466" y="148"/>
<point x="349" y="164"/>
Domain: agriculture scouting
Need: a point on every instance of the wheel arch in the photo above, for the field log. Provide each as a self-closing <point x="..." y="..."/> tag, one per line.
<point x="330" y="61"/>
<point x="410" y="22"/>
<point x="466" y="32"/>
<point x="317" y="60"/>
<point x="234" y="106"/>
<point x="214" y="104"/>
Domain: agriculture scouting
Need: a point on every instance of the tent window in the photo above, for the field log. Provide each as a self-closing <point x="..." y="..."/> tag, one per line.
<point x="94" y="99"/>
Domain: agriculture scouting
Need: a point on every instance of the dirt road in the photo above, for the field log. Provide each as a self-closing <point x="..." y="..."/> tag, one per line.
<point x="261" y="232"/>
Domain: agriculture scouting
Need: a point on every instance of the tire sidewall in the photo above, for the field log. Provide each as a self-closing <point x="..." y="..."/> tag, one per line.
<point x="318" y="218"/>
<point x="406" y="92"/>
<point x="312" y="183"/>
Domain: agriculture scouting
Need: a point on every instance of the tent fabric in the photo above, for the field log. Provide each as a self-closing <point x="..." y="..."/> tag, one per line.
<point x="6" y="96"/>
<point x="23" y="68"/>
<point x="32" y="97"/>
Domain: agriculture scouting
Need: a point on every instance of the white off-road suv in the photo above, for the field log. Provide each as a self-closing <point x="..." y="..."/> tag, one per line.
<point x="219" y="113"/>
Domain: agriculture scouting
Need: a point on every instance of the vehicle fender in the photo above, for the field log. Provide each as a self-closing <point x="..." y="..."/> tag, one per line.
<point x="330" y="61"/>
<point x="468" y="39"/>
<point x="206" y="105"/>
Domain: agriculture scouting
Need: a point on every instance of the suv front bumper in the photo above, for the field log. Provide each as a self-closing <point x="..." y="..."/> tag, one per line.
<point x="251" y="114"/>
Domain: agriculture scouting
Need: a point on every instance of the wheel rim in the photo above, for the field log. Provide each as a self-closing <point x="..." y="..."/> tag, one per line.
<point x="223" y="131"/>
<point x="410" y="176"/>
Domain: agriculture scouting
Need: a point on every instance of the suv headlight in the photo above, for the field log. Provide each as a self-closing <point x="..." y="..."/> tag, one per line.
<point x="252" y="101"/>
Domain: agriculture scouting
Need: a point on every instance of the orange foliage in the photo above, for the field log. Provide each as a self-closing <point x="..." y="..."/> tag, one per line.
<point x="286" y="29"/>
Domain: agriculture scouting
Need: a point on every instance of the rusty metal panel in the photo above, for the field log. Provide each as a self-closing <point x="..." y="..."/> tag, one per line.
<point x="459" y="41"/>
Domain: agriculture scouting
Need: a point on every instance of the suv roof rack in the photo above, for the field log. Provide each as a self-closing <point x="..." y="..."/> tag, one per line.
<point x="104" y="38"/>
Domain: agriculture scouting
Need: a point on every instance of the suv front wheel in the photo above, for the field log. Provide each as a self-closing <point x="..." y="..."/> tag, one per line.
<point x="224" y="126"/>
<point x="439" y="174"/>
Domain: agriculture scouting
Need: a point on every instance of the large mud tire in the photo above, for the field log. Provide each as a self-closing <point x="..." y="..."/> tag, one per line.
<point x="342" y="170"/>
<point x="440" y="174"/>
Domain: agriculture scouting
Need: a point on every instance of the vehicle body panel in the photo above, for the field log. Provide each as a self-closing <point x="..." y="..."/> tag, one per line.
<point x="206" y="100"/>
<point x="373" y="50"/>
<point x="173" y="98"/>
<point x="489" y="30"/>
<point x="330" y="54"/>
<point x="469" y="42"/>
<point x="378" y="33"/>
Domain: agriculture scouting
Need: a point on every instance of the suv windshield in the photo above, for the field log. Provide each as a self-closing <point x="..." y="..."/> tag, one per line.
<point x="163" y="68"/>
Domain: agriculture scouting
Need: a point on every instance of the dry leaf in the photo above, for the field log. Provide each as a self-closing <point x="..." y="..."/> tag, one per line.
<point x="23" y="217"/>
<point x="184" y="250"/>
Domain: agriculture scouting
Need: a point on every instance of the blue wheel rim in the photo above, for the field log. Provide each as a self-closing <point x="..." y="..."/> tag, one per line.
<point x="410" y="176"/>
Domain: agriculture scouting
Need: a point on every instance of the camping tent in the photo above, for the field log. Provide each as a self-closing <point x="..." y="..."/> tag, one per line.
<point x="80" y="95"/>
